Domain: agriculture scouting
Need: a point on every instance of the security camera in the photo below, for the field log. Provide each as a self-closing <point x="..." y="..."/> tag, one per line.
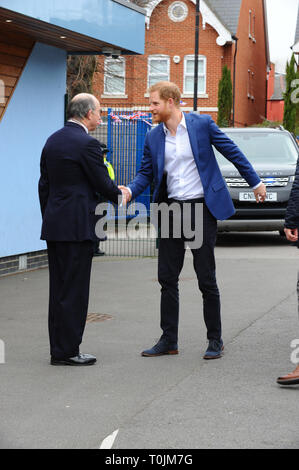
<point x="111" y="52"/>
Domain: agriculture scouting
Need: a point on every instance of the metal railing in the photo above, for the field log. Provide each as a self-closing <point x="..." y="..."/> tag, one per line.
<point x="123" y="130"/>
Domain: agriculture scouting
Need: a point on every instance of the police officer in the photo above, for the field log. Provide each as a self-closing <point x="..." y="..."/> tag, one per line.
<point x="105" y="151"/>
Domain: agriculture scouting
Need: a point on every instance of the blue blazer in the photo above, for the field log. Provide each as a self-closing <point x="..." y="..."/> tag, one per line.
<point x="203" y="133"/>
<point x="72" y="173"/>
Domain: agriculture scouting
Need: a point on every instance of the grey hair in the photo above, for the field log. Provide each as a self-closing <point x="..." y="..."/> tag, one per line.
<point x="80" y="105"/>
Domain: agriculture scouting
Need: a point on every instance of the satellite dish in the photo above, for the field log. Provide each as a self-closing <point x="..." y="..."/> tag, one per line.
<point x="221" y="41"/>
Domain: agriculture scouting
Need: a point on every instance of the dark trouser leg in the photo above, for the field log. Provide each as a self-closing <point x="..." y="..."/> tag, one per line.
<point x="69" y="268"/>
<point x="170" y="263"/>
<point x="204" y="265"/>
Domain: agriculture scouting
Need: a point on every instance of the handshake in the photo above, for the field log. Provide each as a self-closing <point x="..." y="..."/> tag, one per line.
<point x="126" y="195"/>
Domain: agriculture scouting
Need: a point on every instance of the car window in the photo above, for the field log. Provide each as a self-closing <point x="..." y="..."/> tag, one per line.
<point x="263" y="147"/>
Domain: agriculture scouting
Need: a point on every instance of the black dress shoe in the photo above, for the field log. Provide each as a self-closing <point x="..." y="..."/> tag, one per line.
<point x="99" y="253"/>
<point x="80" y="360"/>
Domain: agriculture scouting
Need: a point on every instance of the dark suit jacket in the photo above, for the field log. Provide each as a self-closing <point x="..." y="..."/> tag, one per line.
<point x="292" y="213"/>
<point x="72" y="172"/>
<point x="203" y="133"/>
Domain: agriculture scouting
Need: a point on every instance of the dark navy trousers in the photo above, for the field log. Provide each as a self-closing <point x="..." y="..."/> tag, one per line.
<point x="170" y="264"/>
<point x="69" y="269"/>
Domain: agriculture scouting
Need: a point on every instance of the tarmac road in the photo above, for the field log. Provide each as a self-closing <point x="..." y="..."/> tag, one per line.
<point x="172" y="402"/>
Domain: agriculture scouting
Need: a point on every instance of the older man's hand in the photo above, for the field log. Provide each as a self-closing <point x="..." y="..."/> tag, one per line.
<point x="127" y="196"/>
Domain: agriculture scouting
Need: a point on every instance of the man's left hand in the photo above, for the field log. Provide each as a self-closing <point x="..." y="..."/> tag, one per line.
<point x="260" y="193"/>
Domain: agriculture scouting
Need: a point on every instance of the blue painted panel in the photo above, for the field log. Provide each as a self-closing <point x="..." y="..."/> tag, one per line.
<point x="101" y="19"/>
<point x="35" y="111"/>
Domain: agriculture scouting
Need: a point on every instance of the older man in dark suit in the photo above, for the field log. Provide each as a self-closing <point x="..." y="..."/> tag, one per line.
<point x="71" y="175"/>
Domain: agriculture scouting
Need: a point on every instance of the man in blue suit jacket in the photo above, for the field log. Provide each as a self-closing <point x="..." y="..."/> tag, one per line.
<point x="72" y="173"/>
<point x="179" y="158"/>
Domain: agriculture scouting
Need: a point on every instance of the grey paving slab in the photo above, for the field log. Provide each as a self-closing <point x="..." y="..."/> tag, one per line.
<point x="172" y="402"/>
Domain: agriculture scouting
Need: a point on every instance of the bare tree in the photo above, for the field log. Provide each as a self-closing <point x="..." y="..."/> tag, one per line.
<point x="80" y="73"/>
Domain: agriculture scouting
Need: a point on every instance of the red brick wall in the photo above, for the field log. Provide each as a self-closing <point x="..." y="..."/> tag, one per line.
<point x="251" y="56"/>
<point x="275" y="110"/>
<point x="271" y="81"/>
<point x="170" y="38"/>
<point x="177" y="38"/>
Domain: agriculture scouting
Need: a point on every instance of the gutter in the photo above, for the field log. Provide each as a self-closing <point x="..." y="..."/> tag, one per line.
<point x="267" y="54"/>
<point x="132" y="6"/>
<point x="234" y="79"/>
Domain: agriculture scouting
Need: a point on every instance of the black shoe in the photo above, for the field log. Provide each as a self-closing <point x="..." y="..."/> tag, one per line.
<point x="80" y="360"/>
<point x="99" y="253"/>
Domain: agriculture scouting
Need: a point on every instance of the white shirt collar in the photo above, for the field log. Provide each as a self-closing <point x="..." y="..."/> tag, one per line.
<point x="80" y="124"/>
<point x="182" y="123"/>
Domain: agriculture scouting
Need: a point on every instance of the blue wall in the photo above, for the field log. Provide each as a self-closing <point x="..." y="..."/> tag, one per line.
<point x="35" y="111"/>
<point x="101" y="19"/>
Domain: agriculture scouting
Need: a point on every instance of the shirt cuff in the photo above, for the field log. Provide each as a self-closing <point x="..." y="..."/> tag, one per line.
<point x="257" y="185"/>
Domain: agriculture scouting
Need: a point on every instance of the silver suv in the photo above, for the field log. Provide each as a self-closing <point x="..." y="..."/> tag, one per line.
<point x="273" y="153"/>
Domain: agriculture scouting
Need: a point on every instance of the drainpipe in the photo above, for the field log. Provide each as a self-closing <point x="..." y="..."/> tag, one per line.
<point x="267" y="88"/>
<point x="234" y="80"/>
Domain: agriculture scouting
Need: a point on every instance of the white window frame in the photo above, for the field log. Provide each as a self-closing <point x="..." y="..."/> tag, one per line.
<point x="199" y="93"/>
<point x="157" y="57"/>
<point x="106" y="74"/>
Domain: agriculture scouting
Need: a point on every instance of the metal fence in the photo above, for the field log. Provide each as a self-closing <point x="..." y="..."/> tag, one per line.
<point x="123" y="130"/>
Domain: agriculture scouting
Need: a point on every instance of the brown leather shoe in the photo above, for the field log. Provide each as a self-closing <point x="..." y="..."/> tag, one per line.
<point x="289" y="379"/>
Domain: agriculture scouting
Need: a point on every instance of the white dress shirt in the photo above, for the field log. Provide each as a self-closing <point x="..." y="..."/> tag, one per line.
<point x="183" y="180"/>
<point x="80" y="124"/>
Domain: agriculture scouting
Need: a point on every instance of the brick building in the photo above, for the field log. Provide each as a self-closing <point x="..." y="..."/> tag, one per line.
<point x="277" y="84"/>
<point x="276" y="88"/>
<point x="231" y="31"/>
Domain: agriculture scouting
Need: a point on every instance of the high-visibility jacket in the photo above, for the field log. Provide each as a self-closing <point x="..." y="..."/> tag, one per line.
<point x="110" y="169"/>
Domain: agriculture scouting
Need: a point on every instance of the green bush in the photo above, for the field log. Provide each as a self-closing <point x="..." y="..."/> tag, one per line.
<point x="225" y="98"/>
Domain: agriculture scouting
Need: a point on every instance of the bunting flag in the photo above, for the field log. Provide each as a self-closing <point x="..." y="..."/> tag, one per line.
<point x="117" y="119"/>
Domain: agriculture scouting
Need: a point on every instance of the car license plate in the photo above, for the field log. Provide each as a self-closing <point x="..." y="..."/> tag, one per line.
<point x="249" y="197"/>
